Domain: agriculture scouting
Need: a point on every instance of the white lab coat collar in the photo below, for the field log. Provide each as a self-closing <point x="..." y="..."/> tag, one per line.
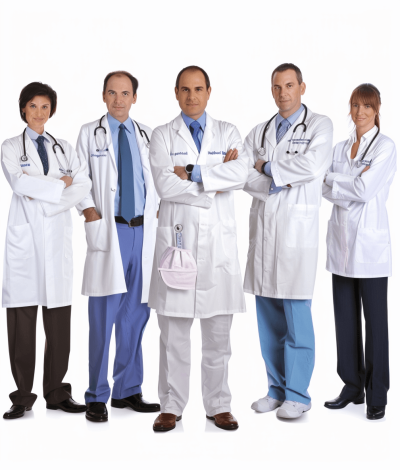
<point x="364" y="141"/>
<point x="182" y="129"/>
<point x="271" y="133"/>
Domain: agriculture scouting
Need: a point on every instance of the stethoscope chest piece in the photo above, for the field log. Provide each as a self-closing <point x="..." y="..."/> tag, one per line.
<point x="24" y="158"/>
<point x="262" y="151"/>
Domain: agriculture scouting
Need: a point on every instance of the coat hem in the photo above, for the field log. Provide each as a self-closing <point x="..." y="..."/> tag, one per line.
<point x="193" y="315"/>
<point x="279" y="296"/>
<point x="98" y="294"/>
<point x="39" y="304"/>
<point x="357" y="276"/>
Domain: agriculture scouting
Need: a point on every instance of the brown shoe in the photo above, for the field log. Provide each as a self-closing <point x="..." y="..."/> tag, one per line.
<point x="165" y="422"/>
<point x="225" y="421"/>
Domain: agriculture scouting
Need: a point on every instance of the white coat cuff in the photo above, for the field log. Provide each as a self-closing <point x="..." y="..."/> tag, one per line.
<point x="330" y="179"/>
<point x="275" y="174"/>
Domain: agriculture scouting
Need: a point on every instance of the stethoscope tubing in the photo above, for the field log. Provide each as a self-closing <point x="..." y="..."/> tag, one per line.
<point x="24" y="156"/>
<point x="303" y="124"/>
<point x="142" y="132"/>
<point x="358" y="164"/>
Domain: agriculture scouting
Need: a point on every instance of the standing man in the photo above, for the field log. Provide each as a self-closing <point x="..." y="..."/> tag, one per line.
<point x="290" y="154"/>
<point x="197" y="162"/>
<point x="121" y="222"/>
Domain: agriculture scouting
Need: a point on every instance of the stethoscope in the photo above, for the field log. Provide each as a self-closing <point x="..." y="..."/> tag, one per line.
<point x="24" y="157"/>
<point x="100" y="126"/>
<point x="262" y="151"/>
<point x="360" y="162"/>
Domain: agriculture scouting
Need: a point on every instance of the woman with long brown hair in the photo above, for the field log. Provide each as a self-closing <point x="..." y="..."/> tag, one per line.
<point x="359" y="253"/>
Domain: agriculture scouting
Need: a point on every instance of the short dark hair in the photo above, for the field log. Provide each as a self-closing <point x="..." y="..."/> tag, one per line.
<point x="288" y="66"/>
<point x="37" y="89"/>
<point x="193" y="68"/>
<point x="135" y="83"/>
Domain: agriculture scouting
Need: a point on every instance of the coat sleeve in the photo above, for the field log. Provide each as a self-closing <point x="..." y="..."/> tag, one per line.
<point x="168" y="185"/>
<point x="308" y="166"/>
<point x="257" y="184"/>
<point x="82" y="149"/>
<point x="365" y="187"/>
<point x="41" y="187"/>
<point x="79" y="188"/>
<point x="230" y="175"/>
<point x="327" y="190"/>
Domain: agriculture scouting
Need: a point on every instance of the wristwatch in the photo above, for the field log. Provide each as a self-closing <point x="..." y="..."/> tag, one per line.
<point x="262" y="167"/>
<point x="189" y="169"/>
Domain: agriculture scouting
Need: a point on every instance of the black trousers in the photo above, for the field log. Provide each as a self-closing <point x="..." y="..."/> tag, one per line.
<point x="21" y="325"/>
<point x="373" y="373"/>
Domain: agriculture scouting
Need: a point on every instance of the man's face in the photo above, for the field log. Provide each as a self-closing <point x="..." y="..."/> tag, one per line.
<point x="119" y="97"/>
<point x="287" y="92"/>
<point x="192" y="93"/>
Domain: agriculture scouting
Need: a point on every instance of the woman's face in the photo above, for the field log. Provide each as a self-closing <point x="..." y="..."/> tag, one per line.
<point x="37" y="112"/>
<point x="363" y="115"/>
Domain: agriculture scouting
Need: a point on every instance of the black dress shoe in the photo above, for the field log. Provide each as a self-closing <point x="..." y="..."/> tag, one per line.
<point x="338" y="403"/>
<point x="16" y="411"/>
<point x="97" y="412"/>
<point x="137" y="403"/>
<point x="69" y="406"/>
<point x="375" y="412"/>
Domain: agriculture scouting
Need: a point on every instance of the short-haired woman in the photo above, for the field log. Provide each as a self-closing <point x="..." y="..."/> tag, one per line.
<point x="359" y="253"/>
<point x="47" y="179"/>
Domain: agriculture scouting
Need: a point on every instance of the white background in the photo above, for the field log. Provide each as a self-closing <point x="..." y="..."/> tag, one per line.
<point x="72" y="45"/>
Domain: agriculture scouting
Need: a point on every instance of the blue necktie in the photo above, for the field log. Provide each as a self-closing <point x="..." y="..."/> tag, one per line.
<point x="126" y="190"/>
<point x="195" y="129"/>
<point x="282" y="129"/>
<point x="43" y="154"/>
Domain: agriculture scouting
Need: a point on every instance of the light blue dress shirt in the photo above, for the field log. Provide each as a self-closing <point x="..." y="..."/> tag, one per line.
<point x="34" y="135"/>
<point x="196" y="173"/>
<point x="267" y="168"/>
<point x="138" y="179"/>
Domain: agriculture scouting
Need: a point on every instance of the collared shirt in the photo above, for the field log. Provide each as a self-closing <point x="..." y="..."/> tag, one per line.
<point x="34" y="135"/>
<point x="196" y="173"/>
<point x="279" y="119"/>
<point x="138" y="179"/>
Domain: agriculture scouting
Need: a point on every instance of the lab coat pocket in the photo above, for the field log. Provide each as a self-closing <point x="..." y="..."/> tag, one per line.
<point x="68" y="257"/>
<point x="223" y="247"/>
<point x="20" y="242"/>
<point x="302" y="226"/>
<point x="98" y="235"/>
<point x="372" y="246"/>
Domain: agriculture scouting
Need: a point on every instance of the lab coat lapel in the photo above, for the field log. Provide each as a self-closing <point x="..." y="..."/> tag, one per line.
<point x="271" y="133"/>
<point x="208" y="137"/>
<point x="144" y="154"/>
<point x="183" y="131"/>
<point x="109" y="142"/>
<point x="32" y="153"/>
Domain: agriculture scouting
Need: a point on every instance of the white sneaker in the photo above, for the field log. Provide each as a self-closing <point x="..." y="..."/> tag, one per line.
<point x="292" y="409"/>
<point x="266" y="404"/>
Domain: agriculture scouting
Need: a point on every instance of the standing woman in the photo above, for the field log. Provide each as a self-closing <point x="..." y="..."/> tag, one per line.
<point x="47" y="179"/>
<point x="359" y="253"/>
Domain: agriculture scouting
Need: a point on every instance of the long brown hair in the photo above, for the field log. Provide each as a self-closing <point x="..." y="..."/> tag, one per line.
<point x="367" y="93"/>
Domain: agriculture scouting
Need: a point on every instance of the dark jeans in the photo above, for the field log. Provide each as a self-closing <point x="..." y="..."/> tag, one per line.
<point x="348" y="296"/>
<point x="21" y="325"/>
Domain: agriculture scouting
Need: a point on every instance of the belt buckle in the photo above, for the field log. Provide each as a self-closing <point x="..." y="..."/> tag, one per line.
<point x="130" y="223"/>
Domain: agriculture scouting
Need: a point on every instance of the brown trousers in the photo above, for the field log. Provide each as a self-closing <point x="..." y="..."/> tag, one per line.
<point x="21" y="325"/>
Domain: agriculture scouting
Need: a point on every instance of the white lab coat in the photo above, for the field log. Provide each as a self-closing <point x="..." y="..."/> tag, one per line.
<point x="283" y="248"/>
<point x="358" y="238"/>
<point x="208" y="219"/>
<point x="103" y="272"/>
<point x="38" y="264"/>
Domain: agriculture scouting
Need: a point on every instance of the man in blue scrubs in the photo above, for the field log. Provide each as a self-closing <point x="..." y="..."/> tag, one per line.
<point x="122" y="197"/>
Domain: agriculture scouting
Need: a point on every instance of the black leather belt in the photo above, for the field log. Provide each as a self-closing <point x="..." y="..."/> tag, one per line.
<point x="136" y="222"/>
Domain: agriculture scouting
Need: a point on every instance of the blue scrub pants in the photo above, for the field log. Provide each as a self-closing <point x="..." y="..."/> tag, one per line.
<point x="287" y="346"/>
<point x="130" y="317"/>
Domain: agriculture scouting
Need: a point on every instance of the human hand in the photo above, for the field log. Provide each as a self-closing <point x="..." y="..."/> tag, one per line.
<point x="258" y="165"/>
<point x="231" y="154"/>
<point x="181" y="172"/>
<point x="67" y="180"/>
<point x="365" y="169"/>
<point x="91" y="214"/>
